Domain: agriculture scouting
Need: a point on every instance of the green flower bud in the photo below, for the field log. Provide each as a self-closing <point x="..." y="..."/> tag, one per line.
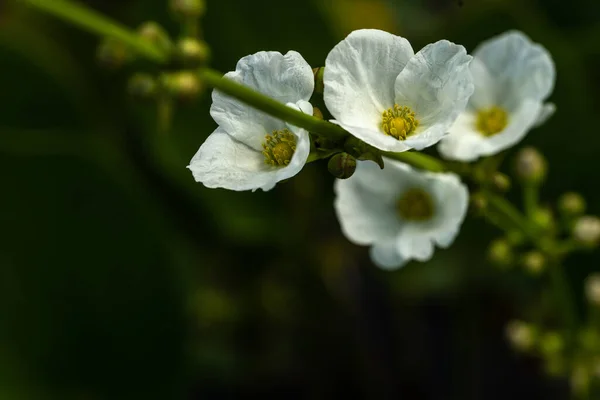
<point x="342" y="165"/>
<point x="571" y="204"/>
<point x="521" y="335"/>
<point x="530" y="166"/>
<point x="317" y="113"/>
<point x="362" y="151"/>
<point x="544" y="218"/>
<point x="534" y="262"/>
<point x="113" y="54"/>
<point x="479" y="203"/>
<point x="551" y="344"/>
<point x="192" y="52"/>
<point x="587" y="230"/>
<point x="142" y="86"/>
<point x="592" y="289"/>
<point x="500" y="253"/>
<point x="155" y="34"/>
<point x="319" y="85"/>
<point x="501" y="182"/>
<point x="187" y="8"/>
<point x="184" y="86"/>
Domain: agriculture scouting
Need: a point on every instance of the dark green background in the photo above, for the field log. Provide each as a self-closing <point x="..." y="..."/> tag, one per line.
<point x="120" y="277"/>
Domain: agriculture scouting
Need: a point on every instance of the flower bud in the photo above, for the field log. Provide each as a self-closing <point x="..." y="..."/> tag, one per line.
<point x="113" y="54"/>
<point x="155" y="34"/>
<point x="342" y="165"/>
<point x="319" y="85"/>
<point x="500" y="253"/>
<point x="317" y="113"/>
<point x="534" y="262"/>
<point x="592" y="289"/>
<point x="479" y="203"/>
<point x="521" y="335"/>
<point x="187" y="8"/>
<point x="544" y="218"/>
<point x="501" y="182"/>
<point x="192" y="52"/>
<point x="530" y="166"/>
<point x="587" y="230"/>
<point x="551" y="344"/>
<point x="142" y="86"/>
<point x="571" y="204"/>
<point x="184" y="85"/>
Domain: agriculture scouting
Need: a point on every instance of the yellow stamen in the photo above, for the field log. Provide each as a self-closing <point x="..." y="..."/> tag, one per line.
<point x="491" y="121"/>
<point x="279" y="147"/>
<point x="399" y="122"/>
<point x="415" y="204"/>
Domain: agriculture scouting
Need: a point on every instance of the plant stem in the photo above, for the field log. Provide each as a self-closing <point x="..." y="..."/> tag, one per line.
<point x="530" y="200"/>
<point x="270" y="106"/>
<point x="90" y="20"/>
<point x="564" y="296"/>
<point x="419" y="160"/>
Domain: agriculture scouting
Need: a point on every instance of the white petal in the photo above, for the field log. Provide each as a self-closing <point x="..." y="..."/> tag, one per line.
<point x="452" y="199"/>
<point x="520" y="68"/>
<point x="485" y="94"/>
<point x="465" y="143"/>
<point x="375" y="138"/>
<point x="546" y="112"/>
<point x="436" y="84"/>
<point x="386" y="256"/>
<point x="223" y="162"/>
<point x="413" y="244"/>
<point x="359" y="76"/>
<point x="286" y="78"/>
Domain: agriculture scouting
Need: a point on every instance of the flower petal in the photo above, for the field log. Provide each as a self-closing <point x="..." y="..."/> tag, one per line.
<point x="463" y="142"/>
<point x="375" y="138"/>
<point x="436" y="84"/>
<point x="359" y="76"/>
<point x="546" y="112"/>
<point x="485" y="93"/>
<point x="223" y="162"/>
<point x="521" y="68"/>
<point x="386" y="256"/>
<point x="452" y="199"/>
<point x="285" y="78"/>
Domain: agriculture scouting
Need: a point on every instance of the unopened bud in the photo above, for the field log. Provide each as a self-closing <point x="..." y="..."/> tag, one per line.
<point x="192" y="52"/>
<point x="155" y="34"/>
<point x="521" y="335"/>
<point x="551" y="344"/>
<point x="113" y="54"/>
<point x="319" y="85"/>
<point x="342" y="165"/>
<point x="501" y="182"/>
<point x="185" y="85"/>
<point x="479" y="203"/>
<point x="544" y="218"/>
<point x="530" y="166"/>
<point x="592" y="289"/>
<point x="142" y="86"/>
<point x="571" y="204"/>
<point x="587" y="230"/>
<point x="500" y="253"/>
<point x="187" y="8"/>
<point x="317" y="113"/>
<point x="534" y="262"/>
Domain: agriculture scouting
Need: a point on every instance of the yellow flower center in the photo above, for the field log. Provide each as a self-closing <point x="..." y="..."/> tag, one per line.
<point x="491" y="121"/>
<point x="415" y="204"/>
<point x="399" y="122"/>
<point x="279" y="147"/>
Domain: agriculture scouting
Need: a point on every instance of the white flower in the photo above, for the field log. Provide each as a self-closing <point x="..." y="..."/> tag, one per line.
<point x="383" y="93"/>
<point x="400" y="212"/>
<point x="251" y="150"/>
<point x="513" y="77"/>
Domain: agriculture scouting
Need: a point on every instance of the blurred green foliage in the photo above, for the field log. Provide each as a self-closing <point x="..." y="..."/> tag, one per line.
<point x="122" y="278"/>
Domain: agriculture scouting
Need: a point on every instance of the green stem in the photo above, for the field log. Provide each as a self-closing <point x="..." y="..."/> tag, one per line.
<point x="94" y="22"/>
<point x="530" y="200"/>
<point x="512" y="214"/>
<point x="270" y="106"/>
<point x="418" y="160"/>
<point x="564" y="296"/>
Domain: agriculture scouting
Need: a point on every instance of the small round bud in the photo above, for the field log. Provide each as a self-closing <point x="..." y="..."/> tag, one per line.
<point x="113" y="54"/>
<point x="155" y="34"/>
<point x="551" y="344"/>
<point x="587" y="230"/>
<point x="592" y="289"/>
<point x="500" y="253"/>
<point x="317" y="113"/>
<point x="192" y="52"/>
<point x="501" y="182"/>
<point x="515" y="238"/>
<point x="534" y="262"/>
<point x="479" y="203"/>
<point x="544" y="218"/>
<point x="184" y="85"/>
<point x="530" y="166"/>
<point x="342" y="165"/>
<point x="187" y="8"/>
<point x="319" y="85"/>
<point x="521" y="335"/>
<point x="571" y="204"/>
<point x="142" y="86"/>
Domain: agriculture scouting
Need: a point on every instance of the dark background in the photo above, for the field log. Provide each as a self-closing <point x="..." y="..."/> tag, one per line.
<point x="122" y="278"/>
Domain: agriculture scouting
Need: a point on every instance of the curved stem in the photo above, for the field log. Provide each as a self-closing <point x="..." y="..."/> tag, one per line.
<point x="94" y="22"/>
<point x="419" y="160"/>
<point x="270" y="106"/>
